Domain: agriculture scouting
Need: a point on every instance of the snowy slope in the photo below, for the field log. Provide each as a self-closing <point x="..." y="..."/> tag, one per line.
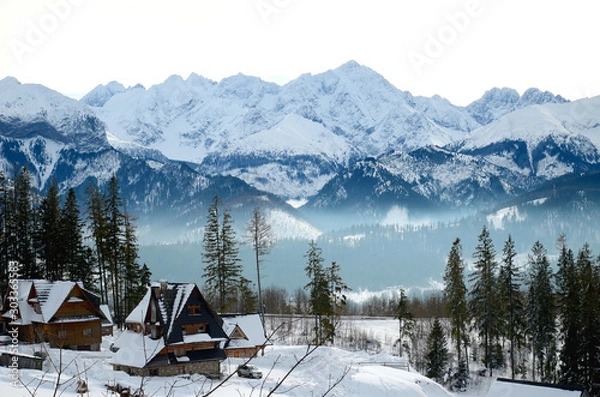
<point x="58" y="138"/>
<point x="312" y="377"/>
<point x="102" y="93"/>
<point x="50" y="115"/>
<point x="354" y="111"/>
<point x="497" y="102"/>
<point x="542" y="140"/>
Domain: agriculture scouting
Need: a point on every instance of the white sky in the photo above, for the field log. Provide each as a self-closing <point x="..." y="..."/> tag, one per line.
<point x="455" y="48"/>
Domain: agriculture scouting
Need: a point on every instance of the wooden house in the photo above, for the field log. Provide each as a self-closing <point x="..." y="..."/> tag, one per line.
<point x="62" y="313"/>
<point x="246" y="335"/>
<point x="172" y="331"/>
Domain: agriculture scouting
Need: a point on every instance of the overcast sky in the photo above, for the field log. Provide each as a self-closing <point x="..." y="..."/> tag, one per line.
<point x="456" y="49"/>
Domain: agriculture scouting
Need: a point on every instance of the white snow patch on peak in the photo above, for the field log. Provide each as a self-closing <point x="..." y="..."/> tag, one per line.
<point x="294" y="135"/>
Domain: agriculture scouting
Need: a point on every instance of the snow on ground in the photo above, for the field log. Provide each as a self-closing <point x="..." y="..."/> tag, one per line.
<point x="375" y="373"/>
<point x="364" y="377"/>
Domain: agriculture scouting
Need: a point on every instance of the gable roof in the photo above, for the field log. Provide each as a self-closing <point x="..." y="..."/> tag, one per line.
<point x="50" y="295"/>
<point x="517" y="388"/>
<point x="170" y="300"/>
<point x="251" y="326"/>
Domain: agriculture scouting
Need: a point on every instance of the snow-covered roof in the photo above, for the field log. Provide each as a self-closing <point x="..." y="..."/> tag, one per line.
<point x="135" y="349"/>
<point x="506" y="387"/>
<point x="138" y="314"/>
<point x="250" y="325"/>
<point x="170" y="299"/>
<point x="106" y="311"/>
<point x="50" y="295"/>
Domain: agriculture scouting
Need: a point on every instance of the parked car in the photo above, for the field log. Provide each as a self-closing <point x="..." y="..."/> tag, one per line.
<point x="249" y="371"/>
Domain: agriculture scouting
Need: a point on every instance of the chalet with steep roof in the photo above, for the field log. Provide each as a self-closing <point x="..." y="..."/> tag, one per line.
<point x="246" y="335"/>
<point x="61" y="313"/>
<point x="172" y="331"/>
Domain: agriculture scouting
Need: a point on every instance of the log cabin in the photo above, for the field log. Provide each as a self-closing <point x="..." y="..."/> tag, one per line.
<point x="62" y="313"/>
<point x="171" y="331"/>
<point x="246" y="335"/>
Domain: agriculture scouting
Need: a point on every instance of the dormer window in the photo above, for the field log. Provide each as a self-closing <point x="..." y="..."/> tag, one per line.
<point x="194" y="310"/>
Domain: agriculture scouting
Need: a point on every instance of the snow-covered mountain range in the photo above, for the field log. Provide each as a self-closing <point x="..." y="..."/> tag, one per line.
<point x="345" y="140"/>
<point x="59" y="138"/>
<point x="291" y="140"/>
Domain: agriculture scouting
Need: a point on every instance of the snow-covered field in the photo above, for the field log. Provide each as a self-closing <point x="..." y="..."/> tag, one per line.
<point x="359" y="374"/>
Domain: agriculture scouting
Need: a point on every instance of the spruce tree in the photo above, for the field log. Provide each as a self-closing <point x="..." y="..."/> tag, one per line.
<point x="98" y="224"/>
<point x="541" y="310"/>
<point x="319" y="294"/>
<point x="78" y="266"/>
<point x="223" y="272"/>
<point x="337" y="291"/>
<point x="455" y="299"/>
<point x="483" y="297"/>
<point x="22" y="228"/>
<point x="51" y="240"/>
<point x="589" y="332"/>
<point x="136" y="278"/>
<point x="513" y="310"/>
<point x="568" y="285"/>
<point x="405" y="320"/>
<point x="437" y="352"/>
<point x="115" y="235"/>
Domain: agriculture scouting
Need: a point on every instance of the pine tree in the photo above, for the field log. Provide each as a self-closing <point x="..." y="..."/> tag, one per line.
<point x="337" y="291"/>
<point x="568" y="285"/>
<point x="115" y="235"/>
<point x="319" y="294"/>
<point x="455" y="298"/>
<point x="22" y="228"/>
<point x="136" y="278"/>
<point x="589" y="332"/>
<point x="223" y="272"/>
<point x="541" y="310"/>
<point x="78" y="266"/>
<point x="51" y="240"/>
<point x="437" y="352"/>
<point x="261" y="238"/>
<point x="510" y="280"/>
<point x="405" y="320"/>
<point x="483" y="302"/>
<point x="98" y="224"/>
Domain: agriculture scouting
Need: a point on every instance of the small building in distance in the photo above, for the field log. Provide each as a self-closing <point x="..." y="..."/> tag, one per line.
<point x="61" y="313"/>
<point x="521" y="388"/>
<point x="246" y="335"/>
<point x="171" y="331"/>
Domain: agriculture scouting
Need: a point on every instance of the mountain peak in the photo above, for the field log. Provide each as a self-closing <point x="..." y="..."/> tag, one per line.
<point x="9" y="82"/>
<point x="102" y="93"/>
<point x="497" y="102"/>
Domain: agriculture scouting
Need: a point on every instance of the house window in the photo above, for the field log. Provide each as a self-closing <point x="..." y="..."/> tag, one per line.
<point x="178" y="352"/>
<point x="194" y="310"/>
<point x="87" y="332"/>
<point x="180" y="369"/>
<point x="62" y="334"/>
<point x="202" y="328"/>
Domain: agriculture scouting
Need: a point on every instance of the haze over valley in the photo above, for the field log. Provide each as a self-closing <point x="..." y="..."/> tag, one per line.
<point x="381" y="179"/>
